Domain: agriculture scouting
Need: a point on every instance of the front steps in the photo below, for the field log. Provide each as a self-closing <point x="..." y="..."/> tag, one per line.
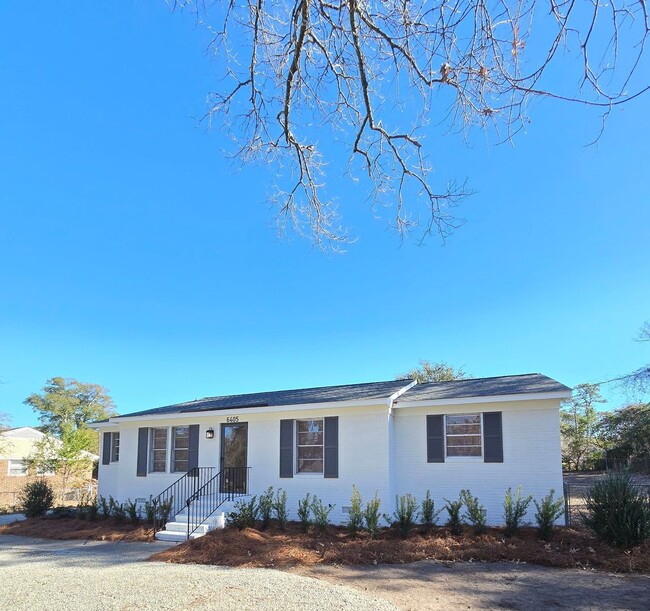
<point x="176" y="530"/>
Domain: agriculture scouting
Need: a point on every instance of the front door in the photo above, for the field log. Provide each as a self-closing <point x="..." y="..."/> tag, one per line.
<point x="234" y="457"/>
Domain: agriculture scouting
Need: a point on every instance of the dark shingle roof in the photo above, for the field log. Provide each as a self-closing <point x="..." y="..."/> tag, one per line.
<point x="484" y="387"/>
<point x="325" y="394"/>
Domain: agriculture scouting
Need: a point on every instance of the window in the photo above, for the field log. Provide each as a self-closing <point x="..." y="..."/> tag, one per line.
<point x="463" y="435"/>
<point x="180" y="449"/>
<point x="45" y="470"/>
<point x="115" y="447"/>
<point x="18" y="468"/>
<point x="309" y="443"/>
<point x="158" y="454"/>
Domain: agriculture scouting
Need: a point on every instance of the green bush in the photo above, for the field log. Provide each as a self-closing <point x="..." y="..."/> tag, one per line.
<point x="244" y="515"/>
<point x="265" y="507"/>
<point x="321" y="513"/>
<point x="280" y="508"/>
<point x="514" y="509"/>
<point x="371" y="516"/>
<point x="104" y="508"/>
<point x="547" y="512"/>
<point x="618" y="512"/>
<point x="428" y="512"/>
<point x="454" y="522"/>
<point x="36" y="498"/>
<point x="475" y="513"/>
<point x="304" y="513"/>
<point x="131" y="508"/>
<point x="164" y="511"/>
<point x="406" y="511"/>
<point x="118" y="511"/>
<point x="355" y="515"/>
<point x="150" y="511"/>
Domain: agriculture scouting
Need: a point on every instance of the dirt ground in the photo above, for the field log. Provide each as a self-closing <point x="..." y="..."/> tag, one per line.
<point x="477" y="585"/>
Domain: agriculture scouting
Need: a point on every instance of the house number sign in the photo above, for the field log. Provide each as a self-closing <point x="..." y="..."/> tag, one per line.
<point x="232" y="419"/>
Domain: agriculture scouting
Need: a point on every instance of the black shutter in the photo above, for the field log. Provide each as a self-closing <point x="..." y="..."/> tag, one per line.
<point x="493" y="437"/>
<point x="331" y="466"/>
<point x="286" y="448"/>
<point x="436" y="438"/>
<point x="143" y="451"/>
<point x="106" y="449"/>
<point x="193" y="454"/>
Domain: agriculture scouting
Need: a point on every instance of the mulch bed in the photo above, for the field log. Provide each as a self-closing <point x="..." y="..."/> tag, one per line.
<point x="74" y="528"/>
<point x="272" y="548"/>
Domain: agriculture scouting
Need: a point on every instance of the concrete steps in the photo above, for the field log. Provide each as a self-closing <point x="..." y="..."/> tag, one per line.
<point x="176" y="530"/>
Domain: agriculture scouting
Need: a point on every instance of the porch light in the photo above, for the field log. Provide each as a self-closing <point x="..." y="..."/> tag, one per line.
<point x="209" y="434"/>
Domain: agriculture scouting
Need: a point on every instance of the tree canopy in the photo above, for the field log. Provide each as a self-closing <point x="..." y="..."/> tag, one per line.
<point x="434" y="372"/>
<point x="304" y="83"/>
<point x="66" y="406"/>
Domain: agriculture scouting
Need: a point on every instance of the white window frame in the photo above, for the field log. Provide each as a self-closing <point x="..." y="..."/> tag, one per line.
<point x="151" y="451"/>
<point x="298" y="446"/>
<point x="115" y="456"/>
<point x="465" y="458"/>
<point x="172" y="458"/>
<point x="17" y="460"/>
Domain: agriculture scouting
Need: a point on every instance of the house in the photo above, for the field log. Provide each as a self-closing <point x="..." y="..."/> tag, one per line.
<point x="389" y="438"/>
<point x="16" y="447"/>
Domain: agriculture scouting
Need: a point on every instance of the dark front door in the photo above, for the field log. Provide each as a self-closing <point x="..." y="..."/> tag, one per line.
<point x="234" y="457"/>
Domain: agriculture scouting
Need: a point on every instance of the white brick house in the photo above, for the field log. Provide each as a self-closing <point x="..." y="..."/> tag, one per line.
<point x="392" y="438"/>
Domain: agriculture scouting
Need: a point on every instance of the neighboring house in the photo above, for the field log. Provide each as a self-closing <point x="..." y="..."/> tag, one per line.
<point x="16" y="447"/>
<point x="389" y="438"/>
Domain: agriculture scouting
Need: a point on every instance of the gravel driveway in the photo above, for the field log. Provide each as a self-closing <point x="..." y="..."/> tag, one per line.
<point x="69" y="575"/>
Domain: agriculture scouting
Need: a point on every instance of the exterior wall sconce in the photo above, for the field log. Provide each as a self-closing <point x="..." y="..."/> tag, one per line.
<point x="209" y="434"/>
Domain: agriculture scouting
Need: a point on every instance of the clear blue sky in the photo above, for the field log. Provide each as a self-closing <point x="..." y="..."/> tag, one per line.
<point x="132" y="255"/>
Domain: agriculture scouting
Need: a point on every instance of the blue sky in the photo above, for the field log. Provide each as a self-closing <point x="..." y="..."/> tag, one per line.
<point x="135" y="256"/>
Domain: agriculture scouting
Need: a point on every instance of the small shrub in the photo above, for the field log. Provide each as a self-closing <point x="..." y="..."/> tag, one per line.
<point x="36" y="498"/>
<point x="104" y="508"/>
<point x="406" y="511"/>
<point x="475" y="513"/>
<point x="453" y="509"/>
<point x="280" y="508"/>
<point x="150" y="511"/>
<point x="428" y="512"/>
<point x="355" y="515"/>
<point x="266" y="507"/>
<point x="119" y="512"/>
<point x="547" y="512"/>
<point x="304" y="513"/>
<point x="321" y="513"/>
<point x="131" y="508"/>
<point x="244" y="515"/>
<point x="618" y="512"/>
<point x="371" y="516"/>
<point x="514" y="509"/>
<point x="164" y="511"/>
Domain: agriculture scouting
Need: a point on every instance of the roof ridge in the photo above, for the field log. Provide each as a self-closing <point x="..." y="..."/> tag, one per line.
<point x="514" y="375"/>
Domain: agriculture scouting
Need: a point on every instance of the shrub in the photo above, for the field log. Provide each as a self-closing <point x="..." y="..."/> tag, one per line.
<point x="131" y="508"/>
<point x="104" y="508"/>
<point x="149" y="511"/>
<point x="453" y="509"/>
<point x="371" y="516"/>
<point x="93" y="509"/>
<point x="321" y="513"/>
<point x="118" y="512"/>
<point x="280" y="508"/>
<point x="618" y="512"/>
<point x="304" y="512"/>
<point x="406" y="510"/>
<point x="475" y="513"/>
<point x="355" y="515"/>
<point x="165" y="510"/>
<point x="36" y="498"/>
<point x="547" y="512"/>
<point x="428" y="512"/>
<point x="244" y="515"/>
<point x="266" y="507"/>
<point x="88" y="507"/>
<point x="514" y="509"/>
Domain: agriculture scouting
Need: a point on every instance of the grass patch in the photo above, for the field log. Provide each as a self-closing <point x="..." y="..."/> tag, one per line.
<point x="568" y="548"/>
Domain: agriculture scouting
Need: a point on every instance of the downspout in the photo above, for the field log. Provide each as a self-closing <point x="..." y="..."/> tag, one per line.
<point x="391" y="446"/>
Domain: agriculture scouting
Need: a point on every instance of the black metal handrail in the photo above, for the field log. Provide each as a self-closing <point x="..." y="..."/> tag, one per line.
<point x="228" y="484"/>
<point x="173" y="498"/>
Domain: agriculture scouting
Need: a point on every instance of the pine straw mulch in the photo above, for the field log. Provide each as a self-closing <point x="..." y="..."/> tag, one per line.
<point x="569" y="548"/>
<point x="74" y="528"/>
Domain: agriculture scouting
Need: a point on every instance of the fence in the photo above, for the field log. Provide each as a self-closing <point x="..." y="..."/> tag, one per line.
<point x="9" y="500"/>
<point x="575" y="500"/>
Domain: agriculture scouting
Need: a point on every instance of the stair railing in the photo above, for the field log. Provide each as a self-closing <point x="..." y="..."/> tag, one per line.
<point x="230" y="483"/>
<point x="173" y="498"/>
